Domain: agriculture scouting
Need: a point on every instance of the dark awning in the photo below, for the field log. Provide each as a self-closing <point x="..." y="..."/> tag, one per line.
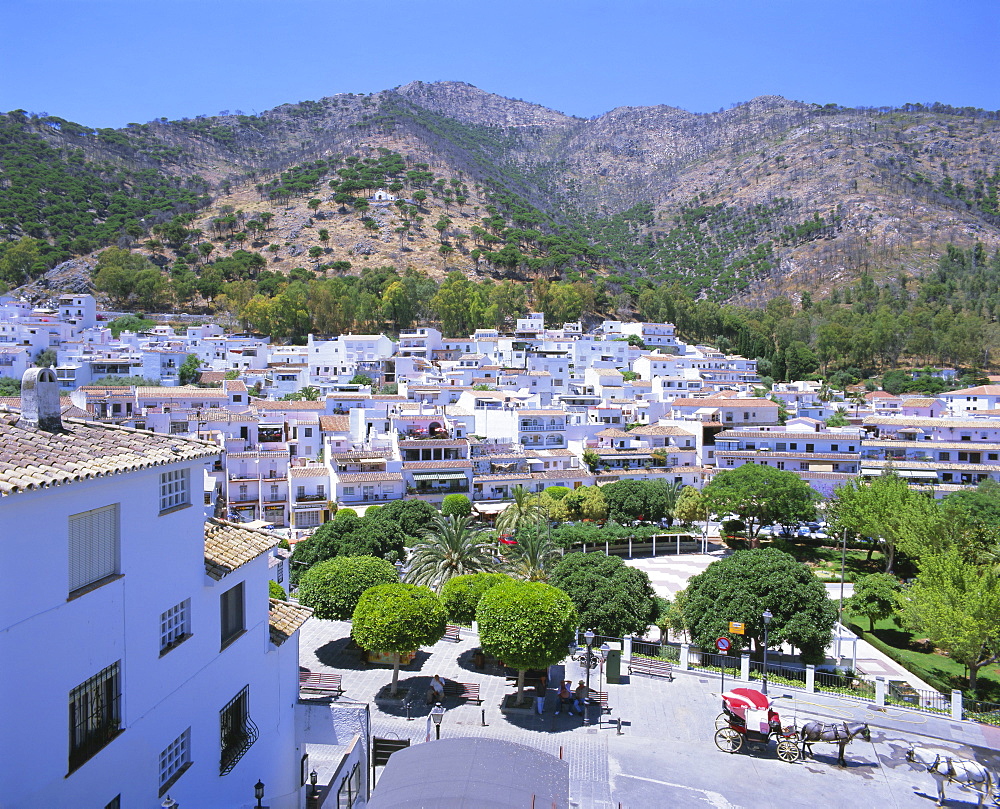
<point x="453" y="773"/>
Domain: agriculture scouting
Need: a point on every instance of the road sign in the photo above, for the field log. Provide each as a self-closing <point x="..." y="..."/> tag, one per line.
<point x="722" y="644"/>
<point x="736" y="628"/>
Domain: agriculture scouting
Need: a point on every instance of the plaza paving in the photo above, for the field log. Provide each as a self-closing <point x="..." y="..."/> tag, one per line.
<point x="665" y="755"/>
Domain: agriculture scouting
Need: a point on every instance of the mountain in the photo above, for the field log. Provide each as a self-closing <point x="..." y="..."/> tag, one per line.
<point x="772" y="197"/>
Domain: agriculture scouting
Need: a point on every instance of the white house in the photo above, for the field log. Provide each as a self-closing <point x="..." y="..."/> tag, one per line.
<point x="146" y="660"/>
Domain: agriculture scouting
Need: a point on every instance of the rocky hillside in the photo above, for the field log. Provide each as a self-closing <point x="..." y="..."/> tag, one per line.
<point x="769" y="197"/>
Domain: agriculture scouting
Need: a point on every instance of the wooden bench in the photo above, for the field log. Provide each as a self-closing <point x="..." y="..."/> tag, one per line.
<point x="600" y="698"/>
<point x="328" y="684"/>
<point x="654" y="668"/>
<point x="451" y="633"/>
<point x="469" y="691"/>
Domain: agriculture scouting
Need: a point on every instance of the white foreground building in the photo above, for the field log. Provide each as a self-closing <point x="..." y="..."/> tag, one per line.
<point x="140" y="654"/>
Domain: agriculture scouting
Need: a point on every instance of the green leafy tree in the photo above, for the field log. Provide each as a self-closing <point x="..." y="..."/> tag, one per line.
<point x="875" y="597"/>
<point x="523" y="512"/>
<point x="413" y="516"/>
<point x="742" y="586"/>
<point x="275" y="590"/>
<point x="398" y="618"/>
<point x="592" y="459"/>
<point x="349" y="535"/>
<point x="189" y="369"/>
<point x="610" y="597"/>
<point x="761" y="495"/>
<point x="456" y="505"/>
<point x="360" y="379"/>
<point x="981" y="504"/>
<point x="45" y="358"/>
<point x="528" y="625"/>
<point x="461" y="594"/>
<point x="532" y="558"/>
<point x="334" y="587"/>
<point x="957" y="606"/>
<point x="452" y="546"/>
<point x="690" y="506"/>
<point x="886" y="511"/>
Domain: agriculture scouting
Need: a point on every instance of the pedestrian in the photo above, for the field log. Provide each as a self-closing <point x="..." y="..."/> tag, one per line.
<point x="540" y="688"/>
<point x="582" y="695"/>
<point x="436" y="692"/>
<point x="565" y="697"/>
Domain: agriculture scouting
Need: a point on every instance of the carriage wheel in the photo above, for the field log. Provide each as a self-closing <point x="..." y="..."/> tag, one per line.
<point x="728" y="740"/>
<point x="721" y="721"/>
<point x="788" y="750"/>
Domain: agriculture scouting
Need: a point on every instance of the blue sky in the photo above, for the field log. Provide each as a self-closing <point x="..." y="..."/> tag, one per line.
<point x="111" y="62"/>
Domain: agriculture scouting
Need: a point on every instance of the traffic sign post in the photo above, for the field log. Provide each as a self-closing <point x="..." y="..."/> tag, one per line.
<point x="722" y="644"/>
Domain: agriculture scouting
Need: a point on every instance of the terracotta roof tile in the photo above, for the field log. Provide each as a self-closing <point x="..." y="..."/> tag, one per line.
<point x="335" y="424"/>
<point x="31" y="458"/>
<point x="229" y="546"/>
<point x="285" y="618"/>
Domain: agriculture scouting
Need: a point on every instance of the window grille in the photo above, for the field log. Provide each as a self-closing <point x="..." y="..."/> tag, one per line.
<point x="174" y="759"/>
<point x="93" y="546"/>
<point x="175" y="625"/>
<point x="174" y="490"/>
<point x="237" y="730"/>
<point x="94" y="714"/>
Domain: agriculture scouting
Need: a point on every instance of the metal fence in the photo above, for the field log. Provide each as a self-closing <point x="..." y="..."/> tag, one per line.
<point x="706" y="661"/>
<point x="847" y="684"/>
<point x="902" y="694"/>
<point x="986" y="712"/>
<point x="784" y="675"/>
<point x="656" y="651"/>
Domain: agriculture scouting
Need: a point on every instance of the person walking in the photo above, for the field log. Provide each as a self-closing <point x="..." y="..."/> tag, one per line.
<point x="540" y="688"/>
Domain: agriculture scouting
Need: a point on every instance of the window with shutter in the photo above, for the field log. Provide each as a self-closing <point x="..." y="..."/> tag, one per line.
<point x="94" y="551"/>
<point x="231" y="605"/>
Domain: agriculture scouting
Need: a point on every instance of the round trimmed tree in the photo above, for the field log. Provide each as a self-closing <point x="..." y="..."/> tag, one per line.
<point x="333" y="587"/>
<point x="527" y="624"/>
<point x="398" y="618"/>
<point x="461" y="594"/>
<point x="456" y="505"/>
<point x="611" y="597"/>
<point x="742" y="586"/>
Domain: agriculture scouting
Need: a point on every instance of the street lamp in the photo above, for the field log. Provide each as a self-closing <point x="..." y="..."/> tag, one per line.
<point x="437" y="714"/>
<point x="767" y="622"/>
<point x="399" y="568"/>
<point x="258" y="792"/>
<point x="168" y="803"/>
<point x="588" y="637"/>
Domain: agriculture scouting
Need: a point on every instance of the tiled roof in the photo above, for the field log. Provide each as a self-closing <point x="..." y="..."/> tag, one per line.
<point x="229" y="546"/>
<point x="211" y="376"/>
<point x="613" y="432"/>
<point x="564" y="474"/>
<point x="236" y="386"/>
<point x="371" y="477"/>
<point x="920" y="402"/>
<point x="335" y="424"/>
<point x="31" y="458"/>
<point x="659" y="429"/>
<point x="550" y="412"/>
<point x="285" y="618"/>
<point x="264" y="454"/>
<point x="308" y="471"/>
<point x="180" y="392"/>
<point x="944" y="423"/>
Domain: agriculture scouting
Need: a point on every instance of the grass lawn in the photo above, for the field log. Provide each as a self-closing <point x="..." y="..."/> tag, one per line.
<point x="935" y="669"/>
<point x="825" y="562"/>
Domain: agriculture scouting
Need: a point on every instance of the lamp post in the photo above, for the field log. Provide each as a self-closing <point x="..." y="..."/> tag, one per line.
<point x="604" y="656"/>
<point x="767" y="622"/>
<point x="313" y="794"/>
<point x="588" y="636"/>
<point x="168" y="803"/>
<point x="399" y="568"/>
<point x="258" y="792"/>
<point x="437" y="714"/>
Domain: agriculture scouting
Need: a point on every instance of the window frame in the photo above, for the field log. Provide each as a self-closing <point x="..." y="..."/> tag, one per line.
<point x="174" y="761"/>
<point x="232" y="622"/>
<point x="93" y="548"/>
<point x="175" y="489"/>
<point x="175" y="626"/>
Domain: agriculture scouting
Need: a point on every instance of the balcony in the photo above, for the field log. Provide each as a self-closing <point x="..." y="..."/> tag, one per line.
<point x="310" y="498"/>
<point x="541" y="428"/>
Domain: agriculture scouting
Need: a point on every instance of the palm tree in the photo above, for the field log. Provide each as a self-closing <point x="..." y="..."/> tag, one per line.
<point x="669" y="492"/>
<point x="523" y="513"/>
<point x="532" y="557"/>
<point x="451" y="547"/>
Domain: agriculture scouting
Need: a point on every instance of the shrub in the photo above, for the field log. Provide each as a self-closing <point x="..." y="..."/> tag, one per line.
<point x="461" y="594"/>
<point x="457" y="505"/>
<point x="334" y="587"/>
<point x="275" y="590"/>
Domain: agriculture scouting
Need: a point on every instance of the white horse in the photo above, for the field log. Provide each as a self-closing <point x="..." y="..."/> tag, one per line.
<point x="970" y="775"/>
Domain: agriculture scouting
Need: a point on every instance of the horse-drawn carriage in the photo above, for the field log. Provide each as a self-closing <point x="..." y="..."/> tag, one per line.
<point x="747" y="717"/>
